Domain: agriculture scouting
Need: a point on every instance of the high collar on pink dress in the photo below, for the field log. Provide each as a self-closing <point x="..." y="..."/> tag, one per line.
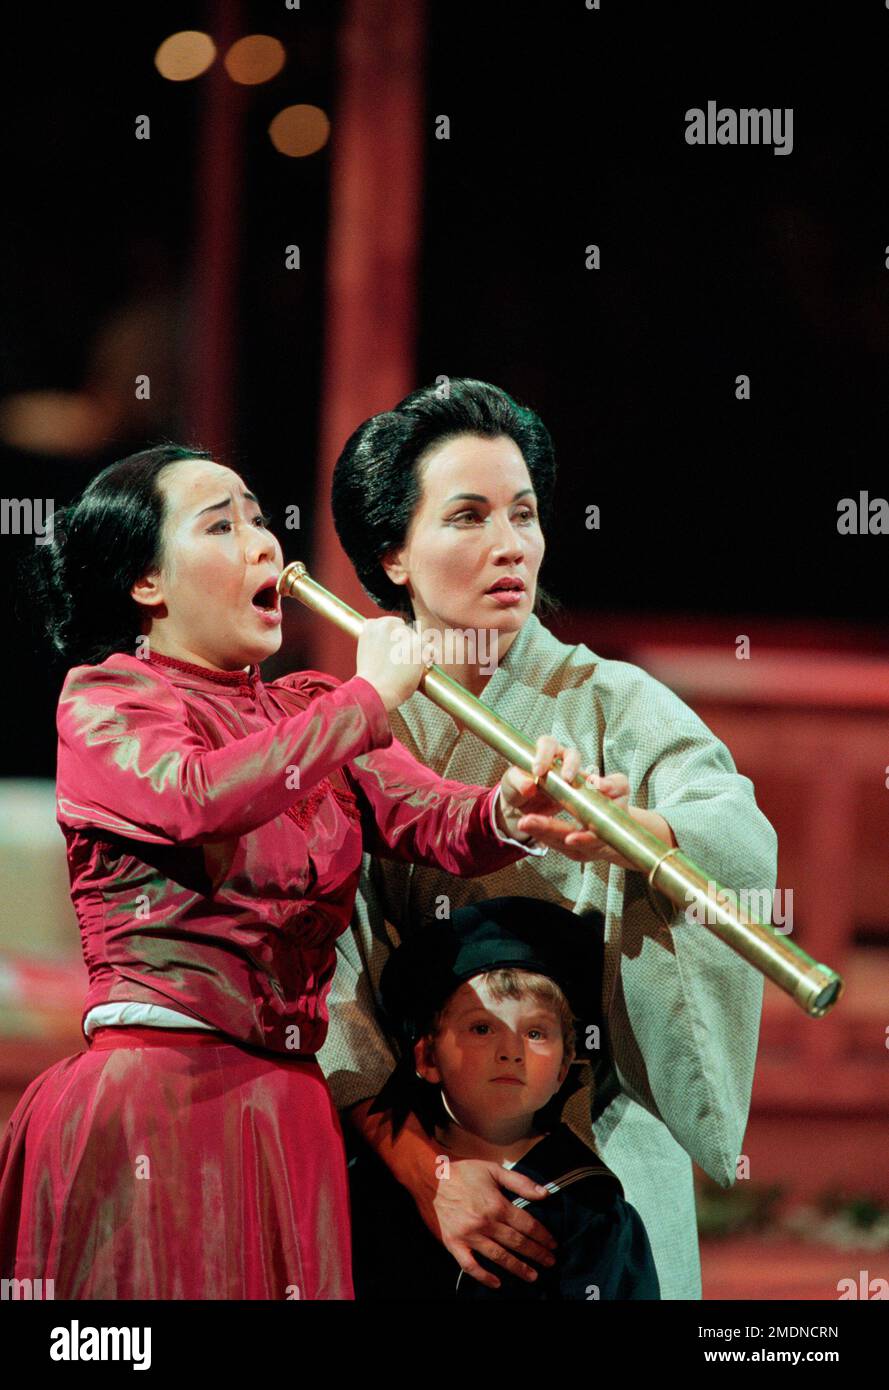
<point x="188" y="673"/>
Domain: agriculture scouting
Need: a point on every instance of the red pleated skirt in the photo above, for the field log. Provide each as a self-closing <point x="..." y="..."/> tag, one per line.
<point x="171" y="1164"/>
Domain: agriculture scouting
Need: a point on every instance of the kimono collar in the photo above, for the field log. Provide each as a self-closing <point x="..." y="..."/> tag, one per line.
<point x="533" y="657"/>
<point x="189" y="673"/>
<point x="535" y="660"/>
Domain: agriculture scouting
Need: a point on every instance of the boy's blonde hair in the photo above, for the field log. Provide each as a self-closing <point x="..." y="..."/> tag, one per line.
<point x="507" y="982"/>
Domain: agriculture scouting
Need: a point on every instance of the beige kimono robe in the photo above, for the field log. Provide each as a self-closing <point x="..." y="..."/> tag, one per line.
<point x="682" y="1008"/>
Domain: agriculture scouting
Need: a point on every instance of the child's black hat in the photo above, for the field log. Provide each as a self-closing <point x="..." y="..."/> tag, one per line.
<point x="523" y="933"/>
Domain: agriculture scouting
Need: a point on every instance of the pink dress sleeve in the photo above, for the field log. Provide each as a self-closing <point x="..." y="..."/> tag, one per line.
<point x="410" y="813"/>
<point x="130" y="763"/>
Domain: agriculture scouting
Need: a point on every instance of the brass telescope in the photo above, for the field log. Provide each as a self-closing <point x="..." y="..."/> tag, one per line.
<point x="815" y="987"/>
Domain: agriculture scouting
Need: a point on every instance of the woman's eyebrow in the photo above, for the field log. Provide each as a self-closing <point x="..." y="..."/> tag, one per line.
<point x="477" y="497"/>
<point x="218" y="506"/>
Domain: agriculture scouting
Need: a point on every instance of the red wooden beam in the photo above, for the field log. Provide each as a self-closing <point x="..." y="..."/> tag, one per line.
<point x="211" y="360"/>
<point x="370" y="320"/>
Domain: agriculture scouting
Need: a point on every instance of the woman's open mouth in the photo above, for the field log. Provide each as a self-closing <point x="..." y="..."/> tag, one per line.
<point x="267" y="603"/>
<point x="507" y="591"/>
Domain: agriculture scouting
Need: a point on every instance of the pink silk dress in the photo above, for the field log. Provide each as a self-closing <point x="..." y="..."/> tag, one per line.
<point x="214" y="828"/>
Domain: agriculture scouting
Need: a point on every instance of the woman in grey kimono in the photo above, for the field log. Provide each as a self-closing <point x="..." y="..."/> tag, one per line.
<point x="442" y="506"/>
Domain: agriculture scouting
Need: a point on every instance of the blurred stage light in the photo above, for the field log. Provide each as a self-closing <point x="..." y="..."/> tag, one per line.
<point x="256" y="58"/>
<point x="185" y="55"/>
<point x="299" y="130"/>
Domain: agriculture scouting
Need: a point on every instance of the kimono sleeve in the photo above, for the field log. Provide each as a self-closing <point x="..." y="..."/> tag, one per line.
<point x="358" y="1057"/>
<point x="684" y="1035"/>
<point x="131" y="764"/>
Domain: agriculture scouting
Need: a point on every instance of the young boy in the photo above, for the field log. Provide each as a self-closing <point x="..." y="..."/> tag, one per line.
<point x="486" y="1006"/>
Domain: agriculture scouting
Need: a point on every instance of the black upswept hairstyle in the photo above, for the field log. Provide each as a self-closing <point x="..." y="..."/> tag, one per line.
<point x="377" y="480"/>
<point x="78" y="583"/>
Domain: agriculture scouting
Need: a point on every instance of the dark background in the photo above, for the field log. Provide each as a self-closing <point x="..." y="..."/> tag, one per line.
<point x="567" y="128"/>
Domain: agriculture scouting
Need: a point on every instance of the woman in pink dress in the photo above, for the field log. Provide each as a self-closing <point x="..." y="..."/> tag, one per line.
<point x="214" y="828"/>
